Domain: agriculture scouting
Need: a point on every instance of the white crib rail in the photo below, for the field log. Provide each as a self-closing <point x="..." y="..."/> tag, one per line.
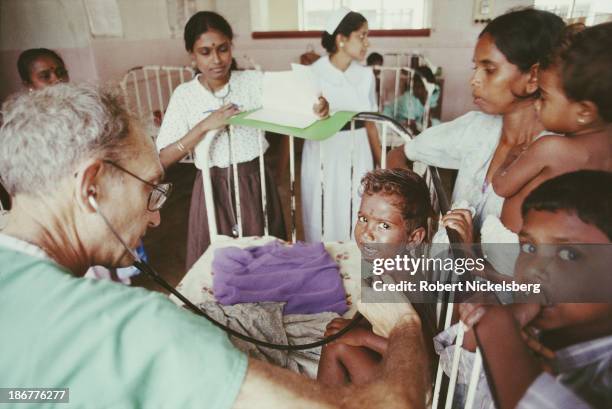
<point x="207" y="183"/>
<point x="403" y="58"/>
<point x="147" y="91"/>
<point x="402" y="78"/>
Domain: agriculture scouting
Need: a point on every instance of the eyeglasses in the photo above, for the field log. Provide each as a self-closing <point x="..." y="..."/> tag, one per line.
<point x="159" y="194"/>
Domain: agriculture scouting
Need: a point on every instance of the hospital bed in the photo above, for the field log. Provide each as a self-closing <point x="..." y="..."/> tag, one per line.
<point x="197" y="283"/>
<point x="145" y="91"/>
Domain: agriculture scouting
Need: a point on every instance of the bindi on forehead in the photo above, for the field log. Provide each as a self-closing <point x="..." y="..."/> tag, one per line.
<point x="45" y="63"/>
<point x="211" y="46"/>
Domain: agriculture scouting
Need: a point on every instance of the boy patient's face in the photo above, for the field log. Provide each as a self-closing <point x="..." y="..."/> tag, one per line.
<point x="549" y="256"/>
<point x="380" y="221"/>
<point x="556" y="112"/>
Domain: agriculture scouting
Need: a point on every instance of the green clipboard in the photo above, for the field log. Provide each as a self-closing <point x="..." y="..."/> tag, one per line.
<point x="322" y="129"/>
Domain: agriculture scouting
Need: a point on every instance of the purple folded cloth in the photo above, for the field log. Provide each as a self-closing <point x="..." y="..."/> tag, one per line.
<point x="302" y="275"/>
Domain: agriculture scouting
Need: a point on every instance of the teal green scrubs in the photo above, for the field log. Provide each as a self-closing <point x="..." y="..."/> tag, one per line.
<point x="113" y="346"/>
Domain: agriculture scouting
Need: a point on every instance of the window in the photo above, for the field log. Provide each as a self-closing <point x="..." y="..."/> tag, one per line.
<point x="311" y="15"/>
<point x="588" y="12"/>
<point x="179" y="11"/>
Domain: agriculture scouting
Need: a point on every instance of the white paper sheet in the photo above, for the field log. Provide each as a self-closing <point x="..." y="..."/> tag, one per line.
<point x="104" y="18"/>
<point x="288" y="97"/>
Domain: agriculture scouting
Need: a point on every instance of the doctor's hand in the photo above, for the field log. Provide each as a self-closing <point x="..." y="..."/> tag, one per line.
<point x="385" y="316"/>
<point x="218" y="119"/>
<point x="321" y="108"/>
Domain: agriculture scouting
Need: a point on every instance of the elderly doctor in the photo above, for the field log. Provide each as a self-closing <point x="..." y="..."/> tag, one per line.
<point x="76" y="163"/>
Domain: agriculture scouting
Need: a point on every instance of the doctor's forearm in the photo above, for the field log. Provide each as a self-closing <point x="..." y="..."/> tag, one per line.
<point x="405" y="375"/>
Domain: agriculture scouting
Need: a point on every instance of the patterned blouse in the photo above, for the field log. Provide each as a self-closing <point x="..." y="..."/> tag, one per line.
<point x="191" y="102"/>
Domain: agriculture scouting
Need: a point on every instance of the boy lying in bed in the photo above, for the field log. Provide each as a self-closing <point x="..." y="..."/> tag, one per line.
<point x="572" y="208"/>
<point x="395" y="208"/>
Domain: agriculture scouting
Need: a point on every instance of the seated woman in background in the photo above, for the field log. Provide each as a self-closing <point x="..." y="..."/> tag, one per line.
<point x="204" y="104"/>
<point x="41" y="67"/>
<point x="38" y="68"/>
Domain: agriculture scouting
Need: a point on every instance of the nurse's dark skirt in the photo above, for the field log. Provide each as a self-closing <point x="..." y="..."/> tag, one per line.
<point x="249" y="182"/>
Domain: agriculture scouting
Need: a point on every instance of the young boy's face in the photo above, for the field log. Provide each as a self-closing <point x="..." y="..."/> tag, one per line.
<point x="548" y="256"/>
<point x="380" y="221"/>
<point x="556" y="112"/>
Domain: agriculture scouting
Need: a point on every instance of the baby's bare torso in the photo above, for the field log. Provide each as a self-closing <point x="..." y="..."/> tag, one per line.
<point x="583" y="152"/>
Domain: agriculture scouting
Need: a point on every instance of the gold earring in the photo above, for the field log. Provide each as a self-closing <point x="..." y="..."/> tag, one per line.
<point x="341" y="44"/>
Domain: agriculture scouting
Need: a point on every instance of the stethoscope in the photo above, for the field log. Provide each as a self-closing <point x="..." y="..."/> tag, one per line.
<point x="154" y="275"/>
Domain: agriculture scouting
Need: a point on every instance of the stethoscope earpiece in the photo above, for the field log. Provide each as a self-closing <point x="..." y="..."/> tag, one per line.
<point x="92" y="201"/>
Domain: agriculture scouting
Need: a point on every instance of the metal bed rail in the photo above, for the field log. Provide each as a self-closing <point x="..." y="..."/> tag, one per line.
<point x="147" y="90"/>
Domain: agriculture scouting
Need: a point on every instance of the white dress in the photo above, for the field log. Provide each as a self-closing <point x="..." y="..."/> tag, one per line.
<point x="351" y="90"/>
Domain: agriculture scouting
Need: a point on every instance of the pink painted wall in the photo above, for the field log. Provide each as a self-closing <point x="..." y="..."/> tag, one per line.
<point x="147" y="40"/>
<point x="114" y="57"/>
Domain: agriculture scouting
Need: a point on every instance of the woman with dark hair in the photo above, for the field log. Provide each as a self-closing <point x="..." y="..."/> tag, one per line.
<point x="504" y="86"/>
<point x="204" y="104"/>
<point x="41" y="67"/>
<point x="38" y="68"/>
<point x="348" y="86"/>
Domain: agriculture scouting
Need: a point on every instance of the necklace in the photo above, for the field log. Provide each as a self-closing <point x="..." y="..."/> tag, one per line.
<point x="217" y="97"/>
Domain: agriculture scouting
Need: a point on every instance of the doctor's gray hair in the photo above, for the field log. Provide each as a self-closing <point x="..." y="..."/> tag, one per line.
<point x="46" y="134"/>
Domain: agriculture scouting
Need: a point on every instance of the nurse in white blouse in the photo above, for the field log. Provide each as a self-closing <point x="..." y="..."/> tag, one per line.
<point x="204" y="104"/>
<point x="348" y="86"/>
